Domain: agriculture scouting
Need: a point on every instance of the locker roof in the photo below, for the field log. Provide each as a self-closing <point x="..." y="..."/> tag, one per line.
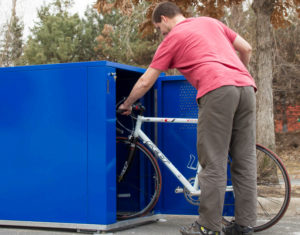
<point x="76" y="64"/>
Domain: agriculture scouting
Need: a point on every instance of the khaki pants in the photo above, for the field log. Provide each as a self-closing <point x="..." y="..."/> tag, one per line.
<point x="226" y="123"/>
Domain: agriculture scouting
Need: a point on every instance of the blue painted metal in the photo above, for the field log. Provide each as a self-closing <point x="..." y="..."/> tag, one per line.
<point x="101" y="186"/>
<point x="57" y="142"/>
<point x="126" y="68"/>
<point x="43" y="127"/>
<point x="177" y="98"/>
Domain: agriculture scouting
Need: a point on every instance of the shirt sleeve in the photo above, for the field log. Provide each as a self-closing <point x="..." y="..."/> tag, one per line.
<point x="163" y="56"/>
<point x="230" y="34"/>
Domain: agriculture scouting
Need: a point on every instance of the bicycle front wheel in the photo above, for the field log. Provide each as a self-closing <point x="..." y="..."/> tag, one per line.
<point x="139" y="189"/>
<point x="273" y="189"/>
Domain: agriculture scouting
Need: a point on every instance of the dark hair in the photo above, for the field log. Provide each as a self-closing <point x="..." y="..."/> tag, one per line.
<point x="168" y="9"/>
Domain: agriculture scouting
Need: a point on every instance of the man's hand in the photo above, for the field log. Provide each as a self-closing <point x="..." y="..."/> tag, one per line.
<point x="127" y="109"/>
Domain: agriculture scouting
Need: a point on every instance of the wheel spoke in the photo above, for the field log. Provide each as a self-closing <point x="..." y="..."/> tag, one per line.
<point x="265" y="211"/>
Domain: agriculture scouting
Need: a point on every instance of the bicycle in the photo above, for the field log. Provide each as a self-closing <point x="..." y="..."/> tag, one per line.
<point x="273" y="184"/>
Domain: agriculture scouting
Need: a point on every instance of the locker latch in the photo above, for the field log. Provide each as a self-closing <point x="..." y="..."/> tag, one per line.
<point x="114" y="75"/>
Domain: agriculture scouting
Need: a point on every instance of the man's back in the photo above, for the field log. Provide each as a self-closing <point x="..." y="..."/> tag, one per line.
<point x="201" y="49"/>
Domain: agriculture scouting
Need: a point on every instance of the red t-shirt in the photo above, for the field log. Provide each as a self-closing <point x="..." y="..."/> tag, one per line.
<point x="201" y="49"/>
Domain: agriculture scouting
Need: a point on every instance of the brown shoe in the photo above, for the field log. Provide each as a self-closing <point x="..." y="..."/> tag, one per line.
<point x="197" y="229"/>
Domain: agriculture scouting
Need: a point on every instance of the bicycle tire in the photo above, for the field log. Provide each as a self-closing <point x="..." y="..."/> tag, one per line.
<point x="273" y="190"/>
<point x="139" y="190"/>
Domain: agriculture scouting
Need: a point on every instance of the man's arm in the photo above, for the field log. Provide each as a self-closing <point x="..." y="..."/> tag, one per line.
<point x="244" y="49"/>
<point x="145" y="82"/>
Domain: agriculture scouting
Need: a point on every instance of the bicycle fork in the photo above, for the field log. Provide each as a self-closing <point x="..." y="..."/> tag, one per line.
<point x="128" y="162"/>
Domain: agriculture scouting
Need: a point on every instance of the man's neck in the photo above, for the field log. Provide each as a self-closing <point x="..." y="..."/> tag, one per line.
<point x="177" y="19"/>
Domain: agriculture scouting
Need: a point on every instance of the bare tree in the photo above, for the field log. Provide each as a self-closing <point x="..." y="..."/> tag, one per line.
<point x="11" y="48"/>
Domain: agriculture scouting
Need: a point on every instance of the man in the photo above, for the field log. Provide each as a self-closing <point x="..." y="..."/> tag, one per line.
<point x="204" y="51"/>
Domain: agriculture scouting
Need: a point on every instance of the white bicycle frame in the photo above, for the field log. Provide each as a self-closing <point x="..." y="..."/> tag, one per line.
<point x="192" y="189"/>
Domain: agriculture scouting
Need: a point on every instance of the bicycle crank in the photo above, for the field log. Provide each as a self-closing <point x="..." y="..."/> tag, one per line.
<point x="194" y="200"/>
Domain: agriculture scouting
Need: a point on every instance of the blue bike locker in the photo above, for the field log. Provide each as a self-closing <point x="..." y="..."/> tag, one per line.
<point x="177" y="98"/>
<point x="57" y="143"/>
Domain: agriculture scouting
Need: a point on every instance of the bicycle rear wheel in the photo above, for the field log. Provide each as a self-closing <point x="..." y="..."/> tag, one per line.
<point x="273" y="189"/>
<point x="139" y="190"/>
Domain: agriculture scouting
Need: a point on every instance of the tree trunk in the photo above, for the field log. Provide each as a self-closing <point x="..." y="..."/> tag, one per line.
<point x="264" y="80"/>
<point x="264" y="76"/>
<point x="4" y="60"/>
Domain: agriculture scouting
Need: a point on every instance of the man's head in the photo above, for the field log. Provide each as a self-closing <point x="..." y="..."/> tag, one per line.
<point x="163" y="16"/>
<point x="167" y="9"/>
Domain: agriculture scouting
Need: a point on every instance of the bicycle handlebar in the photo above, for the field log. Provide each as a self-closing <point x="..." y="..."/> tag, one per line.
<point x="120" y="111"/>
<point x="138" y="107"/>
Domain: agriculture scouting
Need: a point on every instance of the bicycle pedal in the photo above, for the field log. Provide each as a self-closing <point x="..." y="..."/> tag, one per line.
<point x="179" y="190"/>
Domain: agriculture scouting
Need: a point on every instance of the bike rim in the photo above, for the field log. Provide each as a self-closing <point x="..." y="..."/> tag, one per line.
<point x="273" y="196"/>
<point x="273" y="189"/>
<point x="138" y="193"/>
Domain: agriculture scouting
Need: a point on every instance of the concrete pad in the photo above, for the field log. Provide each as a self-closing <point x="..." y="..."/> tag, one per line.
<point x="169" y="225"/>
